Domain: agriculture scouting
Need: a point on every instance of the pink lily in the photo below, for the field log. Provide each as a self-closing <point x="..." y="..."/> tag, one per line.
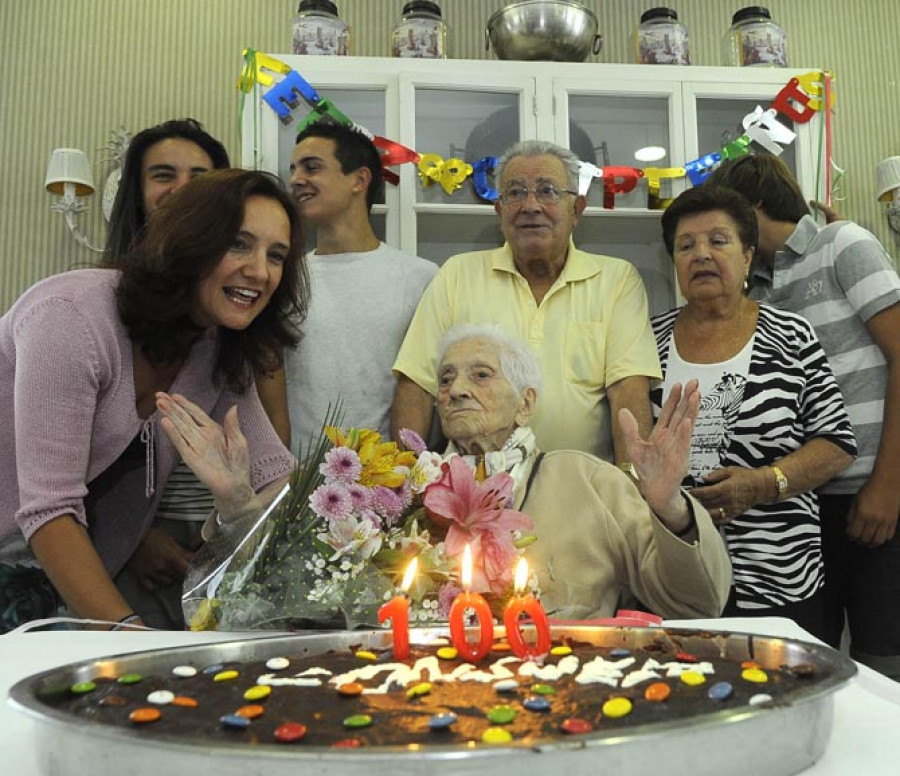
<point x="477" y="514"/>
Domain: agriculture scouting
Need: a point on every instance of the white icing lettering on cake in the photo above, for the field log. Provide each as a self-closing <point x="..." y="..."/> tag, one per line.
<point x="600" y="671"/>
<point x="305" y="678"/>
<point x="677" y="669"/>
<point x="650" y="670"/>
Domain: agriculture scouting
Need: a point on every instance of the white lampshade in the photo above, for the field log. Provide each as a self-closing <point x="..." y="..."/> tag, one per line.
<point x="69" y="165"/>
<point x="887" y="177"/>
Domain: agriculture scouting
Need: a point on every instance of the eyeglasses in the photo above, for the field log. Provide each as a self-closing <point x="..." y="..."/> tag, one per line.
<point x="544" y="193"/>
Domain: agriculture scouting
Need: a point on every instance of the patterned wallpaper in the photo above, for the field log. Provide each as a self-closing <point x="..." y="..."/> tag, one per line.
<point x="82" y="69"/>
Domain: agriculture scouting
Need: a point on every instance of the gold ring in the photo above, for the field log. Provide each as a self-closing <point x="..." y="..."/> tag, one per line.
<point x="721" y="513"/>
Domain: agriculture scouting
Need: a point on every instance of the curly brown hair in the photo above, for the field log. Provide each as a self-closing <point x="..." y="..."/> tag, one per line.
<point x="184" y="242"/>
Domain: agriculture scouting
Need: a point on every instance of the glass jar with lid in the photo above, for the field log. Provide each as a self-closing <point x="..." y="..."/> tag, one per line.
<point x="421" y="32"/>
<point x="319" y="31"/>
<point x="660" y="39"/>
<point x="754" y="40"/>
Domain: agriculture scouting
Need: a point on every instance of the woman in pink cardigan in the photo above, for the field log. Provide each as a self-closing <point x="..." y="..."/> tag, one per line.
<point x="93" y="363"/>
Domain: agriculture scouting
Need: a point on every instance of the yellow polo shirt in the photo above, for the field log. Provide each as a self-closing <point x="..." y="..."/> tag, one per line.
<point x="590" y="330"/>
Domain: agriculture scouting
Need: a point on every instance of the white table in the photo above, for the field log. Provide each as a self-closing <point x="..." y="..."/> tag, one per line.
<point x="867" y="711"/>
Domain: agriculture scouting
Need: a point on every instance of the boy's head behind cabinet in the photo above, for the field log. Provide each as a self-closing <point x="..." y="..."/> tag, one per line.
<point x="766" y="182"/>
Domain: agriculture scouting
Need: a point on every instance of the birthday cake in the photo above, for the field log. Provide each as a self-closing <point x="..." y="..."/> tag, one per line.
<point x="361" y="697"/>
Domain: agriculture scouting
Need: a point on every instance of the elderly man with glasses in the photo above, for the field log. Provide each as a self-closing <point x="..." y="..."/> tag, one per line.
<point x="585" y="315"/>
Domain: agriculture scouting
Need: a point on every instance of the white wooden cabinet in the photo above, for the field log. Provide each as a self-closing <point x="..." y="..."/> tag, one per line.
<point x="472" y="109"/>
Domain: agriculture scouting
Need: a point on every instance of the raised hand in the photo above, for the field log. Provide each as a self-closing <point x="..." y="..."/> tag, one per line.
<point x="662" y="459"/>
<point x="218" y="455"/>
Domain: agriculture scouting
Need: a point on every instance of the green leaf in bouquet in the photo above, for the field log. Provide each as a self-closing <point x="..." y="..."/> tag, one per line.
<point x="294" y="523"/>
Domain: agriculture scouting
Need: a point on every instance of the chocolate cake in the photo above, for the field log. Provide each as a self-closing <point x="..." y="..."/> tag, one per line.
<point x="364" y="698"/>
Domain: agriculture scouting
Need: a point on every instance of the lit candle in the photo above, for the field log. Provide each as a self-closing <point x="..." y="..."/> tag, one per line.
<point x="530" y="606"/>
<point x="476" y="650"/>
<point x="397" y="610"/>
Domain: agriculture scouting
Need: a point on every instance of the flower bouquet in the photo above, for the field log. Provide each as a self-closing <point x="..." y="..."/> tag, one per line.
<point x="332" y="547"/>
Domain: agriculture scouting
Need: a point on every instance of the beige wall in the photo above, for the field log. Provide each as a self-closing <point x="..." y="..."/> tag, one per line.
<point x="78" y="70"/>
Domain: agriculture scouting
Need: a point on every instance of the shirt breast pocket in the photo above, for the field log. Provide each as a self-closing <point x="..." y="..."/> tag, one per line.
<point x="586" y="353"/>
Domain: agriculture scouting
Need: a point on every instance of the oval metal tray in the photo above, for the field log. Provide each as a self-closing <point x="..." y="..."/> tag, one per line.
<point x="776" y="740"/>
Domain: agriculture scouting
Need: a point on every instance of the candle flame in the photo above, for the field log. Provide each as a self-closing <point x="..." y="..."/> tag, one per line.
<point x="521" y="576"/>
<point x="467" y="568"/>
<point x="410" y="574"/>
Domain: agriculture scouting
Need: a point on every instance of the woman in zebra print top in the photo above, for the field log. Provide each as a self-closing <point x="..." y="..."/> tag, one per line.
<point x="772" y="423"/>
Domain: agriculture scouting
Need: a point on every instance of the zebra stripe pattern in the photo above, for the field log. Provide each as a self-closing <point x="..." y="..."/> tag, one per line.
<point x="791" y="397"/>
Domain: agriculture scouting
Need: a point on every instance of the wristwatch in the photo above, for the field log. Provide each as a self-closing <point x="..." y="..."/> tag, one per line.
<point x="629" y="469"/>
<point x="781" y="482"/>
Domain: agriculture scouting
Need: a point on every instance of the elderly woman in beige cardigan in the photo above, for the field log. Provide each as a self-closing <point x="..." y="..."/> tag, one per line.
<point x="601" y="533"/>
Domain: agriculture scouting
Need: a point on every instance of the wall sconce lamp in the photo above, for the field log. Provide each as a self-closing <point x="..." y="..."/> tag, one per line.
<point x="69" y="176"/>
<point x="887" y="185"/>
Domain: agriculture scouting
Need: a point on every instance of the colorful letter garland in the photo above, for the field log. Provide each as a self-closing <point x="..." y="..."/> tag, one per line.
<point x="797" y="101"/>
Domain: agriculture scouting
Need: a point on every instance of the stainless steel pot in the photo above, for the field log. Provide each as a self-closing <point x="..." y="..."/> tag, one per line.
<point x="555" y="30"/>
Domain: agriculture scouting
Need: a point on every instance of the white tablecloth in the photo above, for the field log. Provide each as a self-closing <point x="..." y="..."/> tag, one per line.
<point x="867" y="711"/>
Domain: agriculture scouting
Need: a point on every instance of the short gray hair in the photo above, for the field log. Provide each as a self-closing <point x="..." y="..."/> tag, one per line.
<point x="541" y="148"/>
<point x="518" y="362"/>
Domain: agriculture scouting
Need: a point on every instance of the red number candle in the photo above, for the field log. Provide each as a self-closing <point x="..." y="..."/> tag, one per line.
<point x="530" y="606"/>
<point x="477" y="650"/>
<point x="397" y="610"/>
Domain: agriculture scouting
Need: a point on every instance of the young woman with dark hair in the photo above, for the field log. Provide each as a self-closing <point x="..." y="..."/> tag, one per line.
<point x="158" y="162"/>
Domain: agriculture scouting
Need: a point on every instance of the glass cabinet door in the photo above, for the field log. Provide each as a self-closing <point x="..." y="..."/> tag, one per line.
<point x="714" y="115"/>
<point x="608" y="126"/>
<point x="466" y="122"/>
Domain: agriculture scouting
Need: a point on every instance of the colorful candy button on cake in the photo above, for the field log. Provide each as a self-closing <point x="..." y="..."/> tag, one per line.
<point x="692" y="678"/>
<point x="129" y="679"/>
<point x="495" y="735"/>
<point x="251" y="711"/>
<point x="617" y="707"/>
<point x="501" y="715"/>
<point x="574" y="726"/>
<point x="234" y="721"/>
<point x="720" y="691"/>
<point x="422" y="688"/>
<point x="144" y="715"/>
<point x="657" y="692"/>
<point x="161" y="697"/>
<point x="289" y="732"/>
<point x="536" y="703"/>
<point x="257" y="692"/>
<point x="442" y="721"/>
<point x="755" y="675"/>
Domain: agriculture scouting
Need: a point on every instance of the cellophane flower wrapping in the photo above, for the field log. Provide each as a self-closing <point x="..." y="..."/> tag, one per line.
<point x="332" y="548"/>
